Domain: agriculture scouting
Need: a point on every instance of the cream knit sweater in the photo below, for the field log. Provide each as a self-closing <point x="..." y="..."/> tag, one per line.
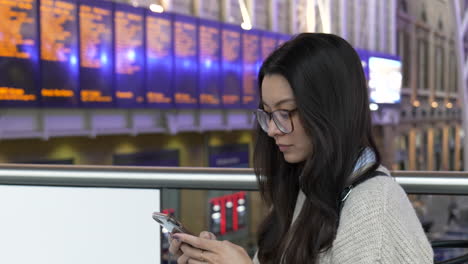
<point x="377" y="225"/>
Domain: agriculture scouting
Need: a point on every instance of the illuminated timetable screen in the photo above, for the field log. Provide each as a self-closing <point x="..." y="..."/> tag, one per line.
<point x="384" y="79"/>
<point x="129" y="53"/>
<point x="18" y="53"/>
<point x="268" y="44"/>
<point x="251" y="58"/>
<point x="59" y="53"/>
<point x="186" y="61"/>
<point x="231" y="67"/>
<point x="209" y="64"/>
<point x="96" y="71"/>
<point x="159" y="64"/>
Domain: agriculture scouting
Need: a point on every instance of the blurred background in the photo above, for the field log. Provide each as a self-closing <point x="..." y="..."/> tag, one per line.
<point x="173" y="83"/>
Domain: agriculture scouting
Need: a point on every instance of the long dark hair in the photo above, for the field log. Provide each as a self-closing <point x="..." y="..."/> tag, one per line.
<point x="331" y="95"/>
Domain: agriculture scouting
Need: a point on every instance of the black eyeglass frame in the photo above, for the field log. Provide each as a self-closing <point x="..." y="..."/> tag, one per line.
<point x="272" y="116"/>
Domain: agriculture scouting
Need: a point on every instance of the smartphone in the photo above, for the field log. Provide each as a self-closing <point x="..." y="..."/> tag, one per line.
<point x="170" y="223"/>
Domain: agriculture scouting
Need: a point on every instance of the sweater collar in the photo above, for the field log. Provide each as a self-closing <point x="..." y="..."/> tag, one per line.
<point x="364" y="162"/>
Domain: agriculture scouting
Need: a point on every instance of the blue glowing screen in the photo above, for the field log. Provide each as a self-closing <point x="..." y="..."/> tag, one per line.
<point x="96" y="50"/>
<point x="59" y="53"/>
<point x="209" y="64"/>
<point x="251" y="57"/>
<point x="19" y="65"/>
<point x="159" y="60"/>
<point x="129" y="56"/>
<point x="186" y="61"/>
<point x="231" y="66"/>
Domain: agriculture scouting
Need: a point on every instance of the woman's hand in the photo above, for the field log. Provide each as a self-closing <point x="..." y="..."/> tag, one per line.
<point x="175" y="244"/>
<point x="197" y="250"/>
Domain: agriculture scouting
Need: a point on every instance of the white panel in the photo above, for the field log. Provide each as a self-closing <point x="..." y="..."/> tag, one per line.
<point x="65" y="121"/>
<point x="210" y="120"/>
<point x="143" y="121"/>
<point x="46" y="123"/>
<point x="56" y="225"/>
<point x="185" y="120"/>
<point x="148" y="119"/>
<point x="12" y="123"/>
<point x="240" y="120"/>
<point x="107" y="121"/>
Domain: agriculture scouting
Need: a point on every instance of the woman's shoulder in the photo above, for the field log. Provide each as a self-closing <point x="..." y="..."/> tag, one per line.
<point x="376" y="218"/>
<point x="370" y="197"/>
<point x="380" y="196"/>
<point x="376" y="188"/>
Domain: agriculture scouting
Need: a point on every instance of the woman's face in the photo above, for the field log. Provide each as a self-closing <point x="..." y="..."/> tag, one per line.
<point x="277" y="94"/>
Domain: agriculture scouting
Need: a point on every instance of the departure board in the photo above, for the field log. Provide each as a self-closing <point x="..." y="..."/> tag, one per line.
<point x="18" y="53"/>
<point x="159" y="63"/>
<point x="251" y="58"/>
<point x="269" y="43"/>
<point x="209" y="84"/>
<point x="129" y="56"/>
<point x="59" y="53"/>
<point x="186" y="61"/>
<point x="231" y="67"/>
<point x="96" y="54"/>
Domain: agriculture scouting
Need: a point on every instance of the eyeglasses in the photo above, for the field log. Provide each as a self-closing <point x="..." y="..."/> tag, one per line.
<point x="282" y="119"/>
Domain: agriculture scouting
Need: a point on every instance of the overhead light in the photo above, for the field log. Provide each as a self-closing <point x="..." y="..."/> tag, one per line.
<point x="246" y="26"/>
<point x="247" y="23"/>
<point x="449" y="105"/>
<point x="416" y="103"/>
<point x="374" y="107"/>
<point x="156" y="8"/>
<point x="434" y="104"/>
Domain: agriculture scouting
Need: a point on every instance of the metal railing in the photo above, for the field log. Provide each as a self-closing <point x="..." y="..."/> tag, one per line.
<point x="434" y="182"/>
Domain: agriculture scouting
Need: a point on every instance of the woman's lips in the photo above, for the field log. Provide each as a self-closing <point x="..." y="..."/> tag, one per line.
<point x="283" y="148"/>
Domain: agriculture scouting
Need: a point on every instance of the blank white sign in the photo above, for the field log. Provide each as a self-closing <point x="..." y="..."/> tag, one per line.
<point x="57" y="225"/>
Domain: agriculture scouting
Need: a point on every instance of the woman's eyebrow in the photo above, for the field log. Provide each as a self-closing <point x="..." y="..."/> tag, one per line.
<point x="279" y="102"/>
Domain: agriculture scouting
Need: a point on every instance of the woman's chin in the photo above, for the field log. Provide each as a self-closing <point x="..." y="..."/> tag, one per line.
<point x="291" y="158"/>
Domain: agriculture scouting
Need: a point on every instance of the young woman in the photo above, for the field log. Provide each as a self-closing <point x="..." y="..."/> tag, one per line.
<point x="318" y="169"/>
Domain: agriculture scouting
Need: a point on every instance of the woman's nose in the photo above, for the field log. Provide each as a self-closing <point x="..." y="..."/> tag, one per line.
<point x="273" y="129"/>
